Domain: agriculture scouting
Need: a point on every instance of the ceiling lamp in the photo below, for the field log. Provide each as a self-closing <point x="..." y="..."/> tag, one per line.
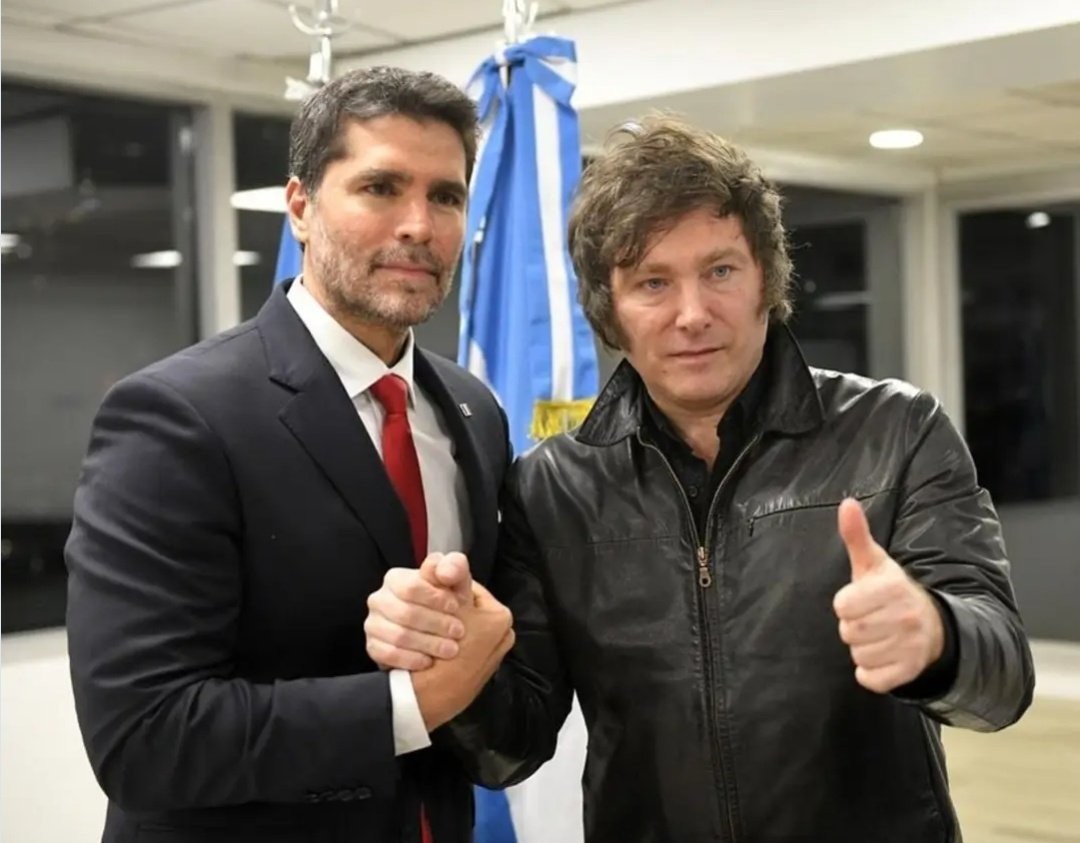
<point x="896" y="139"/>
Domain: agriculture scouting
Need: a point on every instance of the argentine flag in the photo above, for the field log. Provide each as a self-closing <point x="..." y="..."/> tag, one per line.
<point x="522" y="331"/>
<point x="524" y="334"/>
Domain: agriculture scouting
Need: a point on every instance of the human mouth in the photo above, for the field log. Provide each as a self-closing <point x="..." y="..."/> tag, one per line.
<point x="416" y="270"/>
<point x="694" y="354"/>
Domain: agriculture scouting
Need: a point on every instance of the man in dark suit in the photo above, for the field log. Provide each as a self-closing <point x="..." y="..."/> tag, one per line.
<point x="241" y="500"/>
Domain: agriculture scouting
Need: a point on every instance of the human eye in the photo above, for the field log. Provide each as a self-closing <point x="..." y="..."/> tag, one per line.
<point x="449" y="198"/>
<point x="380" y="188"/>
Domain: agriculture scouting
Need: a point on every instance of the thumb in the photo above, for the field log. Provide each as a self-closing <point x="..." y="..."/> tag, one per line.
<point x="429" y="568"/>
<point x="865" y="553"/>
<point x="453" y="573"/>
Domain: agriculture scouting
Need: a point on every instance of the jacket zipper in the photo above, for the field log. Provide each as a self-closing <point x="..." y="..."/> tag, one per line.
<point x="726" y="774"/>
<point x="703" y="572"/>
<point x="723" y="482"/>
<point x="704" y="581"/>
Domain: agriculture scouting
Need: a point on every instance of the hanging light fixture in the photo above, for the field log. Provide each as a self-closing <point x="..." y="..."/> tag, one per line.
<point x="322" y="23"/>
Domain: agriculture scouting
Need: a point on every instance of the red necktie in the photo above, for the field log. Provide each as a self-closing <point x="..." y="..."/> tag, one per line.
<point x="399" y="457"/>
<point x="403" y="467"/>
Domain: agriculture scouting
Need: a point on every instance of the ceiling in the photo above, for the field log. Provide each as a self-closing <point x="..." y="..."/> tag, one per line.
<point x="997" y="105"/>
<point x="977" y="105"/>
<point x="263" y="29"/>
<point x="1036" y="123"/>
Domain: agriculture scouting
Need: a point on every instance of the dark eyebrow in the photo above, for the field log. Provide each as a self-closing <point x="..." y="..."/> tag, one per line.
<point x="729" y="253"/>
<point x="396" y="177"/>
<point x="381" y="174"/>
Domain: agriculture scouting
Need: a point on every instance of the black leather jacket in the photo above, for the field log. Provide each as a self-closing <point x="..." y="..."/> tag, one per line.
<point x="720" y="701"/>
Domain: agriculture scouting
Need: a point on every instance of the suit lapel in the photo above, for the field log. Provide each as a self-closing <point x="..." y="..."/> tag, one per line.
<point x="325" y="423"/>
<point x="465" y="432"/>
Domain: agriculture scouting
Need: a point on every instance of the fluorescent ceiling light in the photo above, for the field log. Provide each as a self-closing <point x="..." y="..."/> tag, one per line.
<point x="1038" y="219"/>
<point x="9" y="242"/>
<point x="168" y="259"/>
<point x="171" y="258"/>
<point x="270" y="199"/>
<point x="246" y="259"/>
<point x="896" y="139"/>
<point x="841" y="301"/>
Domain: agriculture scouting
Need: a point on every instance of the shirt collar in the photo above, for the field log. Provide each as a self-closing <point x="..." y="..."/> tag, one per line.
<point x="356" y="365"/>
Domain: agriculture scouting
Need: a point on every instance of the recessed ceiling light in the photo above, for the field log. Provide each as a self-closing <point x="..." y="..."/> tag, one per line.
<point x="896" y="139"/>
<point x="1038" y="219"/>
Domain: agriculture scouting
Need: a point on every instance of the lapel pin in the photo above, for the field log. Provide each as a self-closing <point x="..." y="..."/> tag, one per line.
<point x="465" y="411"/>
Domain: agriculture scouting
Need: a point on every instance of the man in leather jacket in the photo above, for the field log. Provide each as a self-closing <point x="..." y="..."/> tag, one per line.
<point x="768" y="584"/>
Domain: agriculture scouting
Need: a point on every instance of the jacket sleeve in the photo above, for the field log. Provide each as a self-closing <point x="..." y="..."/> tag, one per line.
<point x="948" y="538"/>
<point x="512" y="727"/>
<point x="155" y="595"/>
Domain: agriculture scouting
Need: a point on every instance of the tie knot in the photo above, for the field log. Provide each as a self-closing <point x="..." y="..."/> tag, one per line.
<point x="392" y="392"/>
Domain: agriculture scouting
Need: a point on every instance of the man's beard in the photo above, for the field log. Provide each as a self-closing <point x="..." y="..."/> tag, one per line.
<point x="399" y="303"/>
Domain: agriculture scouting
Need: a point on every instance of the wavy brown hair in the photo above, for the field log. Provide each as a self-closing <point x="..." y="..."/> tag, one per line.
<point x="649" y="176"/>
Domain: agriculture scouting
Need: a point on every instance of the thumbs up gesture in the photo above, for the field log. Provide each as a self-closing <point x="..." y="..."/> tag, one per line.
<point x="889" y="621"/>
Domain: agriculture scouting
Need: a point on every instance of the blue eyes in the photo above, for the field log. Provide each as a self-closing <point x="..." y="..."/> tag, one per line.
<point x="721" y="272"/>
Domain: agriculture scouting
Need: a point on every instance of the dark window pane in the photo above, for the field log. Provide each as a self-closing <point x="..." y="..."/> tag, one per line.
<point x="1018" y="275"/>
<point x="846" y="290"/>
<point x="261" y="145"/>
<point x="97" y="282"/>
<point x="830" y="295"/>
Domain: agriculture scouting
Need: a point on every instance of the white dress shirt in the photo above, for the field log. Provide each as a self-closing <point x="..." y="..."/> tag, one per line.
<point x="445" y="496"/>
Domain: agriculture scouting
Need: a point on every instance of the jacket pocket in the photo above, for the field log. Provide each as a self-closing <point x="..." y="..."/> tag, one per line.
<point x="877" y="504"/>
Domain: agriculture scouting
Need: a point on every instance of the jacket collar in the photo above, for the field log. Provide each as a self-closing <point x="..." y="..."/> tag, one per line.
<point x="322" y="417"/>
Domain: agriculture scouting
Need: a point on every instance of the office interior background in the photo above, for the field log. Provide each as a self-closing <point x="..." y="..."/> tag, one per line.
<point x="144" y="146"/>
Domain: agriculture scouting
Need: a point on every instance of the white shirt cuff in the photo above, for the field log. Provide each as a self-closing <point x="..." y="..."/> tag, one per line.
<point x="410" y="733"/>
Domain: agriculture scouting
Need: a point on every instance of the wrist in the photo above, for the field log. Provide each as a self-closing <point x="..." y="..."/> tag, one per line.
<point x="430" y="700"/>
<point x="936" y="648"/>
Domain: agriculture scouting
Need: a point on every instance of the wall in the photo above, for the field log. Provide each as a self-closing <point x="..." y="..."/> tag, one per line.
<point x="1042" y="540"/>
<point x="49" y="793"/>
